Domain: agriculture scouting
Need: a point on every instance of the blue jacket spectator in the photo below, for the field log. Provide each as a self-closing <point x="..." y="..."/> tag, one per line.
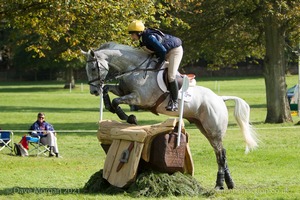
<point x="44" y="130"/>
<point x="39" y="127"/>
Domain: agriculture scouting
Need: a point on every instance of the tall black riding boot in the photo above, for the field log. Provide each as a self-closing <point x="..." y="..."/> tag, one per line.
<point x="173" y="103"/>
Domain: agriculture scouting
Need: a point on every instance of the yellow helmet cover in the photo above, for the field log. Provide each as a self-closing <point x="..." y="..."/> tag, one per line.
<point x="136" y="26"/>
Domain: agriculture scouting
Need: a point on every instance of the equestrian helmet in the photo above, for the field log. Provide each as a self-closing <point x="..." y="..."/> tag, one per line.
<point x="136" y="26"/>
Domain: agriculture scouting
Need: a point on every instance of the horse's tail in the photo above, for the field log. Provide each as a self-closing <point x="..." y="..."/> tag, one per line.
<point x="242" y="116"/>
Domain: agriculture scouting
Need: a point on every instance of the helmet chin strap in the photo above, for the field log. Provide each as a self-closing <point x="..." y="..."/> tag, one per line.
<point x="140" y="33"/>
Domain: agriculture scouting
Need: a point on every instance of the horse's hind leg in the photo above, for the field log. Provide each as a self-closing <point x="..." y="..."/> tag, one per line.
<point x="228" y="180"/>
<point x="223" y="170"/>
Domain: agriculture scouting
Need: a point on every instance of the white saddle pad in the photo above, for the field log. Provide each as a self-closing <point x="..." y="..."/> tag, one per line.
<point x="160" y="81"/>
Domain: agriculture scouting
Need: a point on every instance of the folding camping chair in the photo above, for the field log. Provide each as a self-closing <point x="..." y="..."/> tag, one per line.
<point x="6" y="140"/>
<point x="38" y="148"/>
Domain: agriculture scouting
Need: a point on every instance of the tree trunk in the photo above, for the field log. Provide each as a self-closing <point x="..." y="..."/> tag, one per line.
<point x="69" y="78"/>
<point x="278" y="110"/>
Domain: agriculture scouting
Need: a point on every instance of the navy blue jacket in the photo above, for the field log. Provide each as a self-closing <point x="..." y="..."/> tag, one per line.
<point x="39" y="128"/>
<point x="159" y="42"/>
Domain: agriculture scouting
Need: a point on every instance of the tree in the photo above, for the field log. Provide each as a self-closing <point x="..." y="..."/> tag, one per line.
<point x="225" y="32"/>
<point x="64" y="27"/>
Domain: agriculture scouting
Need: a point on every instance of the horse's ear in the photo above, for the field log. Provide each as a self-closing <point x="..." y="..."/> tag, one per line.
<point x="83" y="52"/>
<point x="92" y="53"/>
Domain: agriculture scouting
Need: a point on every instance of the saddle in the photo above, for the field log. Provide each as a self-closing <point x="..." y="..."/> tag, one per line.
<point x="179" y="78"/>
<point x="163" y="82"/>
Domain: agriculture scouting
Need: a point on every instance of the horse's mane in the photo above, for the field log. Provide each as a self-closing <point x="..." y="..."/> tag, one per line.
<point x="122" y="47"/>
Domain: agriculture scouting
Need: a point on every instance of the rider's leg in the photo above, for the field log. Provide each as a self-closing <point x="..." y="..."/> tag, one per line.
<point x="174" y="57"/>
<point x="173" y="102"/>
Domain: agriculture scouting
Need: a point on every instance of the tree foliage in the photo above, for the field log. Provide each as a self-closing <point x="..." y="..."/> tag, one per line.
<point x="74" y="23"/>
<point x="225" y="32"/>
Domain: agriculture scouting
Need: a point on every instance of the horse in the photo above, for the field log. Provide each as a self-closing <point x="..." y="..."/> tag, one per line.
<point x="138" y="84"/>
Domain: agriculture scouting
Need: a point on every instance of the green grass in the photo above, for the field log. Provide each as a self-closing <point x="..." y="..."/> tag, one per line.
<point x="270" y="172"/>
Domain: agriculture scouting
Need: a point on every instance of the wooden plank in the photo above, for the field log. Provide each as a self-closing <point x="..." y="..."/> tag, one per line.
<point x="104" y="138"/>
<point x="170" y="122"/>
<point x="105" y="126"/>
<point x="111" y="158"/>
<point x="128" y="171"/>
<point x="188" y="162"/>
<point x="138" y="135"/>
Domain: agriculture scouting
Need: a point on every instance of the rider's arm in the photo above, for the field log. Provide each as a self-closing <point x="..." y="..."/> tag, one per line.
<point x="159" y="49"/>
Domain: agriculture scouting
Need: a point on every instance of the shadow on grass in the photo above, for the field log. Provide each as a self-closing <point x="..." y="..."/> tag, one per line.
<point x="21" y="128"/>
<point x="31" y="89"/>
<point x="68" y="127"/>
<point x="251" y="106"/>
<point x="44" y="109"/>
<point x="234" y="78"/>
<point x="40" y="190"/>
<point x="258" y="106"/>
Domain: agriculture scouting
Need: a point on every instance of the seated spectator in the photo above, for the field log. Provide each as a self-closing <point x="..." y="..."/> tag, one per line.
<point x="46" y="133"/>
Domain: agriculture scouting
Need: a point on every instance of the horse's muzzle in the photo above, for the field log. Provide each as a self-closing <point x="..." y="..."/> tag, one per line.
<point x="96" y="93"/>
<point x="95" y="90"/>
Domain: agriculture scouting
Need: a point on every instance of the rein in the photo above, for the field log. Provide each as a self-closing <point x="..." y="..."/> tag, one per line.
<point x="138" y="69"/>
<point x="119" y="75"/>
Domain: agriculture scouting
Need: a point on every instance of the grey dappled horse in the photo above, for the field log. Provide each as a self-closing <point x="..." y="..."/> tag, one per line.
<point x="138" y="85"/>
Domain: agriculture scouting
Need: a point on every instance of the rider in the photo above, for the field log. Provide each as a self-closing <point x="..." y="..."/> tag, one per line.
<point x="166" y="47"/>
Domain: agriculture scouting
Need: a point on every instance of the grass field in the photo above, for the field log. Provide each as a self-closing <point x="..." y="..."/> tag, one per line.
<point x="270" y="172"/>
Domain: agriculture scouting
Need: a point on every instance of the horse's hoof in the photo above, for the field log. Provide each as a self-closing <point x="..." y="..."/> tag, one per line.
<point x="219" y="187"/>
<point x="228" y="180"/>
<point x="230" y="186"/>
<point x="132" y="119"/>
<point x="229" y="183"/>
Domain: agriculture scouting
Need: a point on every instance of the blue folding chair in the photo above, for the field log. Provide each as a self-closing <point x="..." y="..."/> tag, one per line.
<point x="36" y="145"/>
<point x="6" y="140"/>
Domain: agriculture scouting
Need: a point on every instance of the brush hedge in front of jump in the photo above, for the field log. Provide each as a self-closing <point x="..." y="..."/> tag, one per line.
<point x="150" y="184"/>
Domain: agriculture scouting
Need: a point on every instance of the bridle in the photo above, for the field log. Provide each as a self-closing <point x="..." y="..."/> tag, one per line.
<point x="91" y="82"/>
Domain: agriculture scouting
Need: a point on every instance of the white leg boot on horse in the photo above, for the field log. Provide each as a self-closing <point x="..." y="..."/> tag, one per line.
<point x="173" y="102"/>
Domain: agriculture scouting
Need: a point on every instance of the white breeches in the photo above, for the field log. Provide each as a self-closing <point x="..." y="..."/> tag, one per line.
<point x="174" y="58"/>
<point x="50" y="140"/>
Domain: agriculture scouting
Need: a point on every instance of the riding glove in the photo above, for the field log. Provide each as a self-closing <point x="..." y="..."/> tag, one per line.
<point x="159" y="65"/>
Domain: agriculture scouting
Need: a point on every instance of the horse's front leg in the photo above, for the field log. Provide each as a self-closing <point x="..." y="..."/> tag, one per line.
<point x="130" y="99"/>
<point x="114" y="107"/>
<point x="106" y="99"/>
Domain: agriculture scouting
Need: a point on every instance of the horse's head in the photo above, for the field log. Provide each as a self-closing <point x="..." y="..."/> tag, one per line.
<point x="96" y="69"/>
